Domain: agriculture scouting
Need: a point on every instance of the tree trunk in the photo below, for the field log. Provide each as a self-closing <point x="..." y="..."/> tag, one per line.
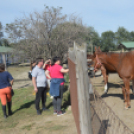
<point x="4" y="60"/>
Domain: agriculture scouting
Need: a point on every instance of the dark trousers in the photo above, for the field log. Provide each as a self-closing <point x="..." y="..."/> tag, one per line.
<point x="57" y="101"/>
<point x="41" y="94"/>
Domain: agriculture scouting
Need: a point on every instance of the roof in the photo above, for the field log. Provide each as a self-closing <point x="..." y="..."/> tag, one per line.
<point x="4" y="49"/>
<point x="128" y="44"/>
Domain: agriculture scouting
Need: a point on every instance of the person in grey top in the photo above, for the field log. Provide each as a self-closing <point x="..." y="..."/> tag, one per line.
<point x="39" y="82"/>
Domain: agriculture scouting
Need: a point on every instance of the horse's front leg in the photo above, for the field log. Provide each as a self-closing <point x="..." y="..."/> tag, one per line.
<point x="105" y="77"/>
<point x="127" y="87"/>
<point x="124" y="95"/>
<point x="133" y="86"/>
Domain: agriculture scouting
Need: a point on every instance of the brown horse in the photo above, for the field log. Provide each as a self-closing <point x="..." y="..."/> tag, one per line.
<point x="105" y="71"/>
<point x="122" y="63"/>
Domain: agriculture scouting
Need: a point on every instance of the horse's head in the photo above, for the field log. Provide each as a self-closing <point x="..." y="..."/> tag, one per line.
<point x="90" y="59"/>
<point x="93" y="59"/>
<point x="97" y="50"/>
<point x="97" y="62"/>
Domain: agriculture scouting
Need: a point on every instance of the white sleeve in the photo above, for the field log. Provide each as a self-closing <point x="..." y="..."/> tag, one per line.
<point x="34" y="73"/>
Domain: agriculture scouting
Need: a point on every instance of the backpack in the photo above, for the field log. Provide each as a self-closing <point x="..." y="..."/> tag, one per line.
<point x="30" y="75"/>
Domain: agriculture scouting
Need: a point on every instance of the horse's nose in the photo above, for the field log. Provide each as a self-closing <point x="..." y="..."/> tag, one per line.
<point x="91" y="68"/>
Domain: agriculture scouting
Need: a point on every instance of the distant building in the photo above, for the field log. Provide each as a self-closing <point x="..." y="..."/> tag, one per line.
<point x="5" y="52"/>
<point x="126" y="46"/>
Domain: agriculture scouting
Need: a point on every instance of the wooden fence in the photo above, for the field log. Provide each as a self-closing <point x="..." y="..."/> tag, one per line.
<point x="79" y="88"/>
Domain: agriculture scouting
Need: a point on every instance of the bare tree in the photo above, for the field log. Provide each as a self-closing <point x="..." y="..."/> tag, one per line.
<point x="1" y="33"/>
<point x="45" y="34"/>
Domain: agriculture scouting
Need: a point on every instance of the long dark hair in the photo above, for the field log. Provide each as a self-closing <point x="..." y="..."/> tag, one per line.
<point x="2" y="67"/>
<point x="31" y="65"/>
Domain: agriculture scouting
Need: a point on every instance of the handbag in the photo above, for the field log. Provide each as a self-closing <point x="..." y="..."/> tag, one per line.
<point x="12" y="92"/>
<point x="30" y="75"/>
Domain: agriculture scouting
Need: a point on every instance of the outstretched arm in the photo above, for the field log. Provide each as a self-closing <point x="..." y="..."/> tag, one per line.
<point x="64" y="70"/>
<point x="11" y="82"/>
<point x="46" y="62"/>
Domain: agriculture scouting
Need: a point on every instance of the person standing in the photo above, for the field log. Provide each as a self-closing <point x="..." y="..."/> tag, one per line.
<point x="57" y="84"/>
<point x="48" y="65"/>
<point x="39" y="83"/>
<point x="6" y="82"/>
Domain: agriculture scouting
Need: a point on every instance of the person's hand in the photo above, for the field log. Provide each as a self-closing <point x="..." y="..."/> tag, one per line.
<point x="46" y="62"/>
<point x="36" y="90"/>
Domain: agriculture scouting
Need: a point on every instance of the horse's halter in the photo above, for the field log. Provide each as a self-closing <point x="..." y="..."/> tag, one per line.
<point x="98" y="63"/>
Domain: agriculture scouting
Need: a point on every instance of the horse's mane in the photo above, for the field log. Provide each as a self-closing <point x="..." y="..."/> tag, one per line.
<point x="120" y="55"/>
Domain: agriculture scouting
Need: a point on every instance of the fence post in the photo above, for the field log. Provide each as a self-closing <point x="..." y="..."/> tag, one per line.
<point x="4" y="59"/>
<point x="79" y="57"/>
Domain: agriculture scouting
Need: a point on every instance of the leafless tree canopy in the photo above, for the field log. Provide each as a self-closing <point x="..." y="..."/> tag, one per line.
<point x="46" y="34"/>
<point x="1" y="33"/>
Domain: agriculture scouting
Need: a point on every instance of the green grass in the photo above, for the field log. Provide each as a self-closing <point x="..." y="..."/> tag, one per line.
<point x="24" y="110"/>
<point x="28" y="127"/>
<point x="55" y="128"/>
<point x="66" y="78"/>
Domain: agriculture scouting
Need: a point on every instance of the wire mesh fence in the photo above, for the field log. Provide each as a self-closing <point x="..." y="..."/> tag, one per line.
<point x="104" y="120"/>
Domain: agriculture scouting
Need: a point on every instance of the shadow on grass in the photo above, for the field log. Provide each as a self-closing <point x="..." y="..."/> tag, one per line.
<point x="66" y="102"/>
<point x="65" y="88"/>
<point x="66" y="98"/>
<point x="26" y="105"/>
<point x="49" y="105"/>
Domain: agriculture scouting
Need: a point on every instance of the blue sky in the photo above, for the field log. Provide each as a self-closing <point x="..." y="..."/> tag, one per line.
<point x="103" y="15"/>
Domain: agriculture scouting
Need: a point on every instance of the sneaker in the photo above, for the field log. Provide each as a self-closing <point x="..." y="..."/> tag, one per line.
<point x="5" y="116"/>
<point x="51" y="97"/>
<point x="60" y="113"/>
<point x="38" y="112"/>
<point x="55" y="112"/>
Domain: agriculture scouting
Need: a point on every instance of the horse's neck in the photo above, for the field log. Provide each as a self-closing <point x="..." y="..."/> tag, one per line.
<point x="111" y="60"/>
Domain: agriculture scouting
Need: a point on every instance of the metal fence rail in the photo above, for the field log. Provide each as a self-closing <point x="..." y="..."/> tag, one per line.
<point x="104" y="120"/>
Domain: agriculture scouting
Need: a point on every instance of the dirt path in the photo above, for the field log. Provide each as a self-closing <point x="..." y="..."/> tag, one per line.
<point x="114" y="98"/>
<point x="20" y="75"/>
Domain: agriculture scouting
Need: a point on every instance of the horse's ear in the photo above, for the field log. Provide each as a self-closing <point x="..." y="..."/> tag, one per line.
<point x="99" y="49"/>
<point x="94" y="55"/>
<point x="95" y="48"/>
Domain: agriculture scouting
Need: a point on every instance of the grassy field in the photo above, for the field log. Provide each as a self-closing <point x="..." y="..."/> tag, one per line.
<point x="25" y="120"/>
